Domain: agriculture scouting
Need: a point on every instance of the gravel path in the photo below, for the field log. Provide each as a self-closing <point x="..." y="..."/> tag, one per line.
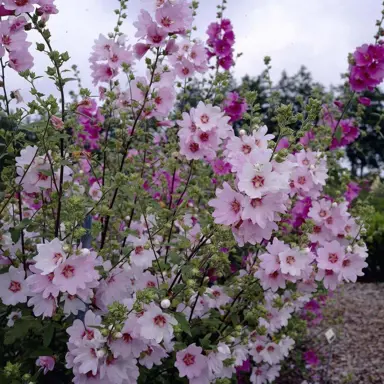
<point x="359" y="348"/>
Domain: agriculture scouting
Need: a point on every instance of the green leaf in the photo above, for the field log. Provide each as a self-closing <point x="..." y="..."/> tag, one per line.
<point x="183" y="323"/>
<point x="40" y="47"/>
<point x="15" y="234"/>
<point x="338" y="133"/>
<point x="48" y="334"/>
<point x="21" y="329"/>
<point x="40" y="351"/>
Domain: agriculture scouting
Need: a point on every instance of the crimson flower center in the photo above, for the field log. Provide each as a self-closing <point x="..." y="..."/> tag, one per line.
<point x="322" y="213"/>
<point x="166" y="21"/>
<point x="139" y="250"/>
<point x="301" y="180"/>
<point x="204" y="118"/>
<point x="127" y="337"/>
<point x="68" y="271"/>
<point x="346" y="263"/>
<point x="270" y="348"/>
<point x="57" y="257"/>
<point x="216" y="293"/>
<point x="194" y="147"/>
<point x="150" y="284"/>
<point x="333" y="258"/>
<point x="185" y="71"/>
<point x="256" y="203"/>
<point x="204" y="136"/>
<point x="246" y="148"/>
<point x="156" y="39"/>
<point x="259" y="348"/>
<point x="20" y="3"/>
<point x="160" y="320"/>
<point x="189" y="359"/>
<point x="14" y="286"/>
<point x="42" y="177"/>
<point x="258" y="181"/>
<point x="290" y="260"/>
<point x="235" y="206"/>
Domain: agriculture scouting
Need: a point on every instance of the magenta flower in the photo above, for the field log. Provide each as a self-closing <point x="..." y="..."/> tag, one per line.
<point x="311" y="358"/>
<point x="353" y="191"/>
<point x="234" y="106"/>
<point x="365" y="101"/>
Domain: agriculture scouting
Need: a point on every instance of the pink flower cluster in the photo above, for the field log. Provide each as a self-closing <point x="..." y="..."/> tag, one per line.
<point x="234" y="106"/>
<point x="202" y="131"/>
<point x="220" y="42"/>
<point x="367" y="71"/>
<point x="13" y="40"/>
<point x="91" y="120"/>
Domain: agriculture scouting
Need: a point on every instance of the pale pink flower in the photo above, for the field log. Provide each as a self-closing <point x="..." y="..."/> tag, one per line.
<point x="155" y="35"/>
<point x="264" y="209"/>
<point x="352" y="267"/>
<point x="45" y="307"/>
<point x="331" y="256"/>
<point x="39" y="283"/>
<point x="294" y="261"/>
<point x="143" y="23"/>
<point x="273" y="280"/>
<point x="258" y="180"/>
<point x="87" y="330"/>
<point x="152" y="355"/>
<point x="57" y="123"/>
<point x="49" y="256"/>
<point x="72" y="304"/>
<point x="217" y="297"/>
<point x="175" y="18"/>
<point x="13" y="287"/>
<point x="75" y="273"/>
<point x="156" y="325"/>
<point x="206" y="116"/>
<point x="329" y="277"/>
<point x="228" y="205"/>
<point x="119" y="371"/>
<point x="261" y="137"/>
<point x="20" y="60"/>
<point x="271" y="353"/>
<point x="47" y="363"/>
<point x="20" y="6"/>
<point x="95" y="191"/>
<point x="140" y="256"/>
<point x="184" y="69"/>
<point x="190" y="362"/>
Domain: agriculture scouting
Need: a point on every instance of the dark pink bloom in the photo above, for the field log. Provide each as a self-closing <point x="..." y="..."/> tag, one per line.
<point x="221" y="167"/>
<point x="365" y="101"/>
<point x="140" y="50"/>
<point x="283" y="143"/>
<point x="234" y="106"/>
<point x="311" y="358"/>
<point x="5" y="12"/>
<point x="353" y="190"/>
<point x="339" y="104"/>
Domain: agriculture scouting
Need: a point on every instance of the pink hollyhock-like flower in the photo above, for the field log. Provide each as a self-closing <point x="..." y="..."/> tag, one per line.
<point x="73" y="304"/>
<point x="175" y="17"/>
<point x="353" y="191"/>
<point x="45" y="307"/>
<point x="190" y="362"/>
<point x="57" y="123"/>
<point x="184" y="69"/>
<point x="234" y="106"/>
<point x="95" y="191"/>
<point x="47" y="363"/>
<point x="156" y="325"/>
<point x="352" y="267"/>
<point x="228" y="205"/>
<point x="152" y="355"/>
<point x="206" y="116"/>
<point x="140" y="49"/>
<point x="46" y="7"/>
<point x="329" y="278"/>
<point x="273" y="280"/>
<point x="13" y="287"/>
<point x="42" y="283"/>
<point x="270" y="262"/>
<point x="49" y="256"/>
<point x="119" y="371"/>
<point x="13" y="40"/>
<point x="86" y="357"/>
<point x="252" y="233"/>
<point x="262" y="210"/>
<point x="19" y="6"/>
<point x="17" y="24"/>
<point x="271" y="353"/>
<point x="102" y="73"/>
<point x="130" y="344"/>
<point x="142" y="24"/>
<point x="20" y="60"/>
<point x="220" y="167"/>
<point x="217" y="297"/>
<point x="331" y="256"/>
<point x="87" y="330"/>
<point x="258" y="179"/>
<point x="75" y="273"/>
<point x="140" y="256"/>
<point x="155" y="35"/>
<point x="294" y="261"/>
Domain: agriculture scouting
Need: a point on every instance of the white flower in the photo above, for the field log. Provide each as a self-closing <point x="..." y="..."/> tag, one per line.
<point x="50" y="256"/>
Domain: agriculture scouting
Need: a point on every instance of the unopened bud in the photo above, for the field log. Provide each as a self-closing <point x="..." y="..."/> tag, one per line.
<point x="100" y="353"/>
<point x="242" y="132"/>
<point x="118" y="335"/>
<point x="165" y="303"/>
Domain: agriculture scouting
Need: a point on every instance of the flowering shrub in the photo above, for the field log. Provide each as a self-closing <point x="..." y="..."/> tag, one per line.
<point x="146" y="240"/>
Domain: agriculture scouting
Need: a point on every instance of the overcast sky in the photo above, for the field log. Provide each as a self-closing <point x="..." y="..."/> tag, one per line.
<point x="315" y="33"/>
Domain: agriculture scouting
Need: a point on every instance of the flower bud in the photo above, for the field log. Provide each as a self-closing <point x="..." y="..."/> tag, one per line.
<point x="57" y="123"/>
<point x="100" y="353"/>
<point x="118" y="335"/>
<point x="165" y="303"/>
<point x="334" y="204"/>
<point x="242" y="132"/>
